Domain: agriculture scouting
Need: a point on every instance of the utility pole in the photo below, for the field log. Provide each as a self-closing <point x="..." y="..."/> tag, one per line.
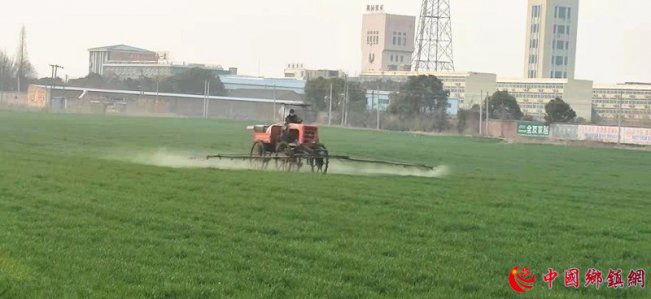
<point x="346" y="106"/>
<point x="54" y="67"/>
<point x="487" y="114"/>
<point x="142" y="87"/>
<point x="619" y="118"/>
<point x="21" y="59"/>
<point x="208" y="100"/>
<point x="206" y="91"/>
<point x="274" y="107"/>
<point x="377" y="116"/>
<point x="157" y="83"/>
<point x="343" y="102"/>
<point x="481" y="99"/>
<point x="330" y="107"/>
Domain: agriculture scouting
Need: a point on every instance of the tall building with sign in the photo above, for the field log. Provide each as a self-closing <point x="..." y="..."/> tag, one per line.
<point x="387" y="40"/>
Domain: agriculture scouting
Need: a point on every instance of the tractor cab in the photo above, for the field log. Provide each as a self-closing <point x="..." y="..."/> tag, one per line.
<point x="302" y="134"/>
<point x="271" y="135"/>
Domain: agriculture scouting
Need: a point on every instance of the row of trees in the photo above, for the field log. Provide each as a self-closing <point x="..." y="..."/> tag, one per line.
<point x="317" y="93"/>
<point x="503" y="106"/>
<point x="421" y="103"/>
<point x="17" y="73"/>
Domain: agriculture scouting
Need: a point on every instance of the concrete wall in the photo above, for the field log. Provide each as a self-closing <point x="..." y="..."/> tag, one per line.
<point x="502" y="129"/>
<point x="641" y="136"/>
<point x="135" y="104"/>
<point x="571" y="132"/>
<point x="564" y="132"/>
<point x="11" y="99"/>
<point x="598" y="133"/>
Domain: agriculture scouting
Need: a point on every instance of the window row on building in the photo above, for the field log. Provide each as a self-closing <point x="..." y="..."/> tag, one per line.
<point x="526" y="95"/>
<point x="532" y="106"/>
<point x="622" y="96"/>
<point x="559" y="60"/>
<point x="399" y="38"/>
<point x="531" y="86"/>
<point x="561" y="45"/>
<point x="536" y="11"/>
<point x="558" y="74"/>
<point x="372" y="37"/>
<point x="533" y="44"/>
<point x="397" y="58"/>
<point x="562" y="12"/>
<point x="622" y="92"/>
<point x="625" y="113"/>
<point x="561" y="29"/>
<point x="535" y="28"/>
<point x="622" y="102"/>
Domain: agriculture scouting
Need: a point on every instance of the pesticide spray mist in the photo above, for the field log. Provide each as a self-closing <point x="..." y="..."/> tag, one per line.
<point x="164" y="158"/>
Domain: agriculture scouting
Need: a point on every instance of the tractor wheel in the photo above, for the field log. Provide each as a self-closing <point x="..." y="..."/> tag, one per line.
<point x="320" y="159"/>
<point x="283" y="157"/>
<point x="259" y="156"/>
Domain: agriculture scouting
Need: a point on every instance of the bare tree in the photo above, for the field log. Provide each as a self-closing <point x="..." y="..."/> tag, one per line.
<point x="22" y="66"/>
<point x="7" y="72"/>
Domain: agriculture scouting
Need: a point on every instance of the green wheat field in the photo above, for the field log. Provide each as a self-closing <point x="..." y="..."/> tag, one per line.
<point x="80" y="217"/>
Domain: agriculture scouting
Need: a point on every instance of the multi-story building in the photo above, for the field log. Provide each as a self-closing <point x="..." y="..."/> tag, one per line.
<point x="258" y="83"/>
<point x="466" y="87"/>
<point x="551" y="38"/>
<point x="118" y="54"/>
<point x="387" y="40"/>
<point x="533" y="94"/>
<point x="127" y="62"/>
<point x="626" y="101"/>
<point x="153" y="70"/>
<point x="299" y="72"/>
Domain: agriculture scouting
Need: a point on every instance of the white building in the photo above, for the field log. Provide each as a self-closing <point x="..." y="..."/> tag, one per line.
<point x="154" y="70"/>
<point x="387" y="40"/>
<point x="300" y="72"/>
<point x="551" y="38"/>
<point x="533" y="94"/>
<point x="630" y="101"/>
<point x="466" y="87"/>
<point x="118" y="54"/>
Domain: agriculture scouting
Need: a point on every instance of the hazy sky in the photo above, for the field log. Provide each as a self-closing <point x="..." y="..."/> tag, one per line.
<point x="261" y="36"/>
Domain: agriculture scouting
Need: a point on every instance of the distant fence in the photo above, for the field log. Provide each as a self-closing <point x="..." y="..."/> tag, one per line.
<point x="567" y="132"/>
<point x="537" y="130"/>
<point x="599" y="133"/>
<point x="9" y="99"/>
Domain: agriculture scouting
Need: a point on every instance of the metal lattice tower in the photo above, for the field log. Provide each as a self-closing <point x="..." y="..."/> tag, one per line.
<point x="434" y="40"/>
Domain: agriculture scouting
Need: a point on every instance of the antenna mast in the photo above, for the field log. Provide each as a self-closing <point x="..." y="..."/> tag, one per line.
<point x="434" y="37"/>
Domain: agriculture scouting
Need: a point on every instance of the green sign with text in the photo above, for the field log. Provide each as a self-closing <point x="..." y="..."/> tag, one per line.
<point x="533" y="130"/>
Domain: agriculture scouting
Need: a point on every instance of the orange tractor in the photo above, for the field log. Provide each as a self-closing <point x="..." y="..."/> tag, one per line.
<point x="291" y="147"/>
<point x="294" y="146"/>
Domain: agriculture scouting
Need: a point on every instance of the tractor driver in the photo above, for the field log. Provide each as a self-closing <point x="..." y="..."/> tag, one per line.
<point x="292" y="118"/>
